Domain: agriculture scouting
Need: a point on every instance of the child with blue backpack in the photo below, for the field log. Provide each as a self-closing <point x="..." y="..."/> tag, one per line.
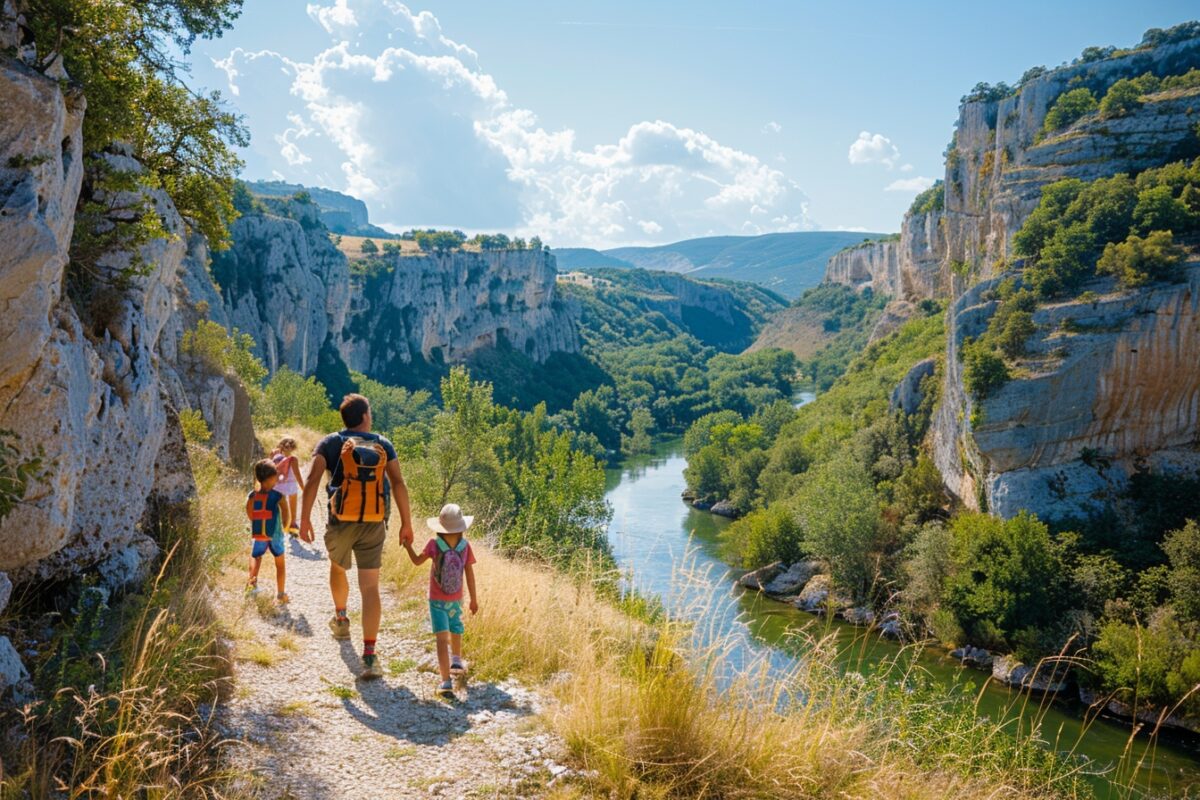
<point x="453" y="561"/>
<point x="268" y="517"/>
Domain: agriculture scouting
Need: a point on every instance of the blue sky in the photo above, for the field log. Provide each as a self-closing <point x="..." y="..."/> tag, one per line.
<point x="631" y="122"/>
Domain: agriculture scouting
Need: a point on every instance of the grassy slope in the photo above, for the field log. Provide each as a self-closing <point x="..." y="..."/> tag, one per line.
<point x="647" y="716"/>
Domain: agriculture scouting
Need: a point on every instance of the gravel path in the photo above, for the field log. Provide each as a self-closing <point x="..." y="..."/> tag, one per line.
<point x="306" y="727"/>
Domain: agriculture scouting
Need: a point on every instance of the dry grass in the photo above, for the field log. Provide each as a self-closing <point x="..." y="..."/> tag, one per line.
<point x="351" y="246"/>
<point x="651" y="716"/>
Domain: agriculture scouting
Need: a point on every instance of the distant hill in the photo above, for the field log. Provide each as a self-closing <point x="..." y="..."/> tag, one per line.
<point x="572" y="258"/>
<point x="788" y="263"/>
<point x="341" y="213"/>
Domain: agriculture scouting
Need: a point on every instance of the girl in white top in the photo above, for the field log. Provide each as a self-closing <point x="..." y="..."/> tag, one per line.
<point x="291" y="483"/>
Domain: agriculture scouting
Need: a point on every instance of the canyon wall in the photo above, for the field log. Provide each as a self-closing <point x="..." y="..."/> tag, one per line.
<point x="1114" y="387"/>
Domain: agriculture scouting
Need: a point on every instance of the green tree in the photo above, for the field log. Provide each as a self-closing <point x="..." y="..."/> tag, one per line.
<point x="125" y="56"/>
<point x="1154" y="665"/>
<point x="762" y="537"/>
<point x="1158" y="209"/>
<point x="220" y="350"/>
<point x="1138" y="261"/>
<point x="1069" y="107"/>
<point x="1183" y="550"/>
<point x="983" y="370"/>
<point x="369" y="247"/>
<point x="289" y="398"/>
<point x="641" y="423"/>
<point x="839" y="514"/>
<point x="1122" y="97"/>
<point x="1008" y="586"/>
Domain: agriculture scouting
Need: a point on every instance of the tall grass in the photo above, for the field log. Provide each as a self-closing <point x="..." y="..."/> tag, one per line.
<point x="649" y="713"/>
<point x="128" y="691"/>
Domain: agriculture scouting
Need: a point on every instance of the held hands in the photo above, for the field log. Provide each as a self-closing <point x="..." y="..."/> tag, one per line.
<point x="406" y="535"/>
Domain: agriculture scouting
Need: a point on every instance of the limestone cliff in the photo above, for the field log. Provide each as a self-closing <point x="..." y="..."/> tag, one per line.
<point x="1085" y="407"/>
<point x="284" y="283"/>
<point x="443" y="308"/>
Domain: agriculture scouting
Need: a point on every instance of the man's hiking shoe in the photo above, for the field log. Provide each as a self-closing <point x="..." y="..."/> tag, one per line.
<point x="457" y="667"/>
<point x="445" y="690"/>
<point x="340" y="626"/>
<point x="372" y="669"/>
<point x="282" y="598"/>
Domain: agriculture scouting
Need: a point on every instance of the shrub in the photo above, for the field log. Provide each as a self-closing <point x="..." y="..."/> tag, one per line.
<point x="291" y="399"/>
<point x="762" y="537"/>
<point x="839" y="513"/>
<point x="1137" y="261"/>
<point x="369" y="247"/>
<point x="1018" y="327"/>
<point x="1121" y="98"/>
<point x="195" y="429"/>
<point x="984" y="371"/>
<point x="932" y="199"/>
<point x="1069" y="107"/>
<point x="221" y="350"/>
<point x="1156" y="665"/>
<point x="17" y="470"/>
<point x="1007" y="581"/>
<point x="1158" y="209"/>
<point x="1183" y="550"/>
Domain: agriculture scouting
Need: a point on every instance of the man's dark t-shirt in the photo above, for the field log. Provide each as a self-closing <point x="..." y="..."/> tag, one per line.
<point x="330" y="448"/>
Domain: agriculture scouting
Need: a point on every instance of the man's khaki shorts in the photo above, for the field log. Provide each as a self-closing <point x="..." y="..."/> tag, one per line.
<point x="363" y="539"/>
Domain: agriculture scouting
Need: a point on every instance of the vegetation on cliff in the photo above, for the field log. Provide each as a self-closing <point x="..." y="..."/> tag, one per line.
<point x="122" y="55"/>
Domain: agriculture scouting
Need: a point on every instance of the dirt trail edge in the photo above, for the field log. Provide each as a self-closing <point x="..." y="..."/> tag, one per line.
<point x="304" y="726"/>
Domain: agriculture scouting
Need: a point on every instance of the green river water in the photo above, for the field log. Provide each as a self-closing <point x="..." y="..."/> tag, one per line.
<point x="670" y="550"/>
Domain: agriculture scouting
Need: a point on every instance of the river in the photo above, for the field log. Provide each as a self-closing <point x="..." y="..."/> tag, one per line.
<point x="670" y="550"/>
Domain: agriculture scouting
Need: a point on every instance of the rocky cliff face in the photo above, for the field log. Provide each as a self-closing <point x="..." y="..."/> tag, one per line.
<point x="1121" y="388"/>
<point x="284" y="283"/>
<point x="444" y="308"/>
<point x="93" y="390"/>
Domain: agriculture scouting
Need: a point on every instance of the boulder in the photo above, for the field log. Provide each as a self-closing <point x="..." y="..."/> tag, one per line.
<point x="891" y="626"/>
<point x="1045" y="678"/>
<point x="820" y="596"/>
<point x="863" y="616"/>
<point x="975" y="657"/>
<point x="792" y="580"/>
<point x="724" y="508"/>
<point x="12" y="671"/>
<point x="757" y="579"/>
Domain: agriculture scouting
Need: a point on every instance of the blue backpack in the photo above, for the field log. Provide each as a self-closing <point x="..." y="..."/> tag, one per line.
<point x="451" y="562"/>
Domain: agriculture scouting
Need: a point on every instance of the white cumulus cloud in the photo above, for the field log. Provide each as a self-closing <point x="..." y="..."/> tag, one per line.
<point x="914" y="185"/>
<point x="395" y="112"/>
<point x="874" y="148"/>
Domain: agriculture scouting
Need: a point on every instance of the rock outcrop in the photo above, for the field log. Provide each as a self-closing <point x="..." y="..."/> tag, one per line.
<point x="89" y="381"/>
<point x="285" y="283"/>
<point x="443" y="308"/>
<point x="1108" y="385"/>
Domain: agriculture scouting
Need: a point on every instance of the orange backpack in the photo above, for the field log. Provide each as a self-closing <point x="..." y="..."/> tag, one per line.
<point x="360" y="497"/>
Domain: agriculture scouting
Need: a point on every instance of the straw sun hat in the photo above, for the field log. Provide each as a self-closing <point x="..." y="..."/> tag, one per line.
<point x="451" y="520"/>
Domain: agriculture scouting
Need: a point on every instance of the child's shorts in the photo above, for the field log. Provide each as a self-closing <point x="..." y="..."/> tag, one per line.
<point x="446" y="615"/>
<point x="262" y="545"/>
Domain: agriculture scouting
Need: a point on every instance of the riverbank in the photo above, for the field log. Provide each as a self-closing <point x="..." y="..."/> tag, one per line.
<point x="672" y="551"/>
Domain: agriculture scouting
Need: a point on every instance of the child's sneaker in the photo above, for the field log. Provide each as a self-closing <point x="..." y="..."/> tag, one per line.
<point x="293" y="531"/>
<point x="282" y="598"/>
<point x="340" y="626"/>
<point x="445" y="690"/>
<point x="457" y="667"/>
<point x="372" y="669"/>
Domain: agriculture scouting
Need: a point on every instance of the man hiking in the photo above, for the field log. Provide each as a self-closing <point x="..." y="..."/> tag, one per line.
<point x="362" y="471"/>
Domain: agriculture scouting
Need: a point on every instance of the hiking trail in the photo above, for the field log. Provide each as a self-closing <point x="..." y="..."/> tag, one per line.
<point x="303" y="725"/>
